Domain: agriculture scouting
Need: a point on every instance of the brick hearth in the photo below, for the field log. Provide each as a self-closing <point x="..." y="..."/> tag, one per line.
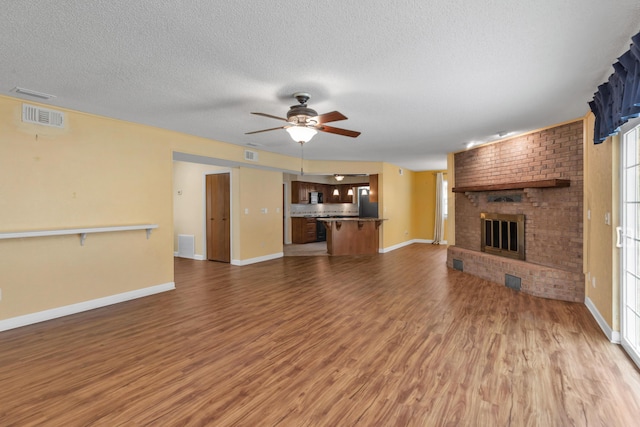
<point x="553" y="216"/>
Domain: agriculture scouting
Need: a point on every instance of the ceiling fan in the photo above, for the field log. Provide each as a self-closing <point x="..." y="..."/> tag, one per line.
<point x="303" y="122"/>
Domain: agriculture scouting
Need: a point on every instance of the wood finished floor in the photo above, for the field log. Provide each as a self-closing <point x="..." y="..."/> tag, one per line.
<point x="393" y="339"/>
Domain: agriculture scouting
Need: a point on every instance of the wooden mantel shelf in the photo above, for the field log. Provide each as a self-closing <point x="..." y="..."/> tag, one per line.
<point x="545" y="183"/>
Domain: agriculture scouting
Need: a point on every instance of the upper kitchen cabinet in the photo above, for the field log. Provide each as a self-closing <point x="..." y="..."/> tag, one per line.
<point x="345" y="197"/>
<point x="330" y="196"/>
<point x="299" y="192"/>
<point x="373" y="188"/>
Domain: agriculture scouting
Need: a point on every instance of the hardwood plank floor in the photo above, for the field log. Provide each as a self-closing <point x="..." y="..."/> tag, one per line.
<point x="393" y="339"/>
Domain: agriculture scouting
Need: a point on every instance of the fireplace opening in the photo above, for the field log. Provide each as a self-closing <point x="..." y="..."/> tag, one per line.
<point x="502" y="234"/>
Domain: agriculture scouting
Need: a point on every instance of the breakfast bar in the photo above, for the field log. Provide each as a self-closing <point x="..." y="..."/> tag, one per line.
<point x="352" y="236"/>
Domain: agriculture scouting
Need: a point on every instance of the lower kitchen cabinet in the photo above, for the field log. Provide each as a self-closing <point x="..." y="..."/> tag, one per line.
<point x="303" y="230"/>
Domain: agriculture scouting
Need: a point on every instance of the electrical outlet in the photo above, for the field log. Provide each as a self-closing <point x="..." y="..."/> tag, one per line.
<point x="593" y="281"/>
<point x="589" y="214"/>
<point x="246" y="211"/>
<point x="607" y="218"/>
<point x="264" y="210"/>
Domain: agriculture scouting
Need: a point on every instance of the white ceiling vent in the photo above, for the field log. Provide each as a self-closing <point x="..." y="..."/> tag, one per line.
<point x="42" y="116"/>
<point x="251" y="155"/>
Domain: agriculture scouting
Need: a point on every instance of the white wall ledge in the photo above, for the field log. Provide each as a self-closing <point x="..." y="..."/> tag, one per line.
<point x="80" y="231"/>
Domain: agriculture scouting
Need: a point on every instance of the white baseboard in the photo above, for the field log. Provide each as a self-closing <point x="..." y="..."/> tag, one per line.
<point x="613" y="336"/>
<point x="41" y="316"/>
<point x="407" y="243"/>
<point x="196" y="257"/>
<point x="241" y="262"/>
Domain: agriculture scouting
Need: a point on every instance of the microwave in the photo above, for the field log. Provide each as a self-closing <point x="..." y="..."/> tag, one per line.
<point x="315" y="197"/>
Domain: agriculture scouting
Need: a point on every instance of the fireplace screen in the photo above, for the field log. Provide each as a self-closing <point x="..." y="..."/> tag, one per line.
<point x="503" y="235"/>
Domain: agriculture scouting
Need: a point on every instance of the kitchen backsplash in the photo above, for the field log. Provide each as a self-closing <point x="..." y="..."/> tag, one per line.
<point x="324" y="209"/>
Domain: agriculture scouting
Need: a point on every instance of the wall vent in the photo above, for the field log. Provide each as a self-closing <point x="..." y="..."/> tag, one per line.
<point x="457" y="265"/>
<point x="186" y="246"/>
<point x="42" y="116"/>
<point x="512" y="282"/>
<point x="251" y="155"/>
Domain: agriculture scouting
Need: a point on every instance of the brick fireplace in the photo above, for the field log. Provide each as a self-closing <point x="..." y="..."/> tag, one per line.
<point x="537" y="177"/>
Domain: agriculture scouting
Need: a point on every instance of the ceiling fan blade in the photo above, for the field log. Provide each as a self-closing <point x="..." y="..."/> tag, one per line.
<point x="344" y="132"/>
<point x="270" y="116"/>
<point x="264" y="130"/>
<point x="333" y="116"/>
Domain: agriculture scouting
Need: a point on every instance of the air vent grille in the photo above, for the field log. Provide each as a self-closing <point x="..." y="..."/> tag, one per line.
<point x="251" y="155"/>
<point x="42" y="116"/>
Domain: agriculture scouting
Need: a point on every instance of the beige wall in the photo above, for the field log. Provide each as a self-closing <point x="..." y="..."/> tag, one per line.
<point x="601" y="196"/>
<point x="188" y="202"/>
<point x="260" y="213"/>
<point x="95" y="172"/>
<point x="102" y="172"/>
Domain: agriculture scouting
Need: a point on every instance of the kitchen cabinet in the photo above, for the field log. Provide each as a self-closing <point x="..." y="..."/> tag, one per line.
<point x="299" y="192"/>
<point x="373" y="188"/>
<point x="330" y="197"/>
<point x="303" y="230"/>
<point x="344" y="193"/>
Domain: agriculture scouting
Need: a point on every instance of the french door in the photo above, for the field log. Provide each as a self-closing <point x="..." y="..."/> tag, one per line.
<point x="629" y="242"/>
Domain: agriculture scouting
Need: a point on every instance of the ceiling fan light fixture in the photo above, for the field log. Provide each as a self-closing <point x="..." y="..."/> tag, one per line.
<point x="301" y="134"/>
<point x="338" y="177"/>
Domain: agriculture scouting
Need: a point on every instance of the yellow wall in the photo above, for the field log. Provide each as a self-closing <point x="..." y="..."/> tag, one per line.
<point x="104" y="172"/>
<point x="601" y="196"/>
<point x="395" y="204"/>
<point x="260" y="232"/>
<point x="95" y="172"/>
<point x="424" y="201"/>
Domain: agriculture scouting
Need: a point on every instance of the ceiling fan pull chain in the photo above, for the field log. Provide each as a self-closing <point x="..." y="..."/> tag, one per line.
<point x="302" y="158"/>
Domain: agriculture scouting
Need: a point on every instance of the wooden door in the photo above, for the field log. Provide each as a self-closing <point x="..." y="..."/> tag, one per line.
<point x="218" y="218"/>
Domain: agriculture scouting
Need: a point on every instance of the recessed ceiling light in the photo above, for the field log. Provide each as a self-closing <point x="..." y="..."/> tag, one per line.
<point x="34" y="93"/>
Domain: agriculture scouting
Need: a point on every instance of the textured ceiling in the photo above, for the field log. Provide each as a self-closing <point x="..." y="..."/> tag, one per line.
<point x="419" y="79"/>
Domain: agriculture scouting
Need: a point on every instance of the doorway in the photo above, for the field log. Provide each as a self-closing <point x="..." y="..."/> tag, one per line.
<point x="218" y="220"/>
<point x="629" y="242"/>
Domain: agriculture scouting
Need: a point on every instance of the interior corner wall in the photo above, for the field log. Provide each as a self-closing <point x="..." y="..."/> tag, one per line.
<point x="95" y="172"/>
<point x="188" y="202"/>
<point x="424" y="202"/>
<point x="600" y="198"/>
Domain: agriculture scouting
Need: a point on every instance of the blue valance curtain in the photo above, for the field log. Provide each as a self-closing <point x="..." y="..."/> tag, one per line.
<point x="618" y="100"/>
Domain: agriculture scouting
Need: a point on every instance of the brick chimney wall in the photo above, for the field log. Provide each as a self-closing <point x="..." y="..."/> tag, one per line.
<point x="553" y="216"/>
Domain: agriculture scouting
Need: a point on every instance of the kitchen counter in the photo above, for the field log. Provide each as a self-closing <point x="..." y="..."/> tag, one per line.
<point x="352" y="236"/>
